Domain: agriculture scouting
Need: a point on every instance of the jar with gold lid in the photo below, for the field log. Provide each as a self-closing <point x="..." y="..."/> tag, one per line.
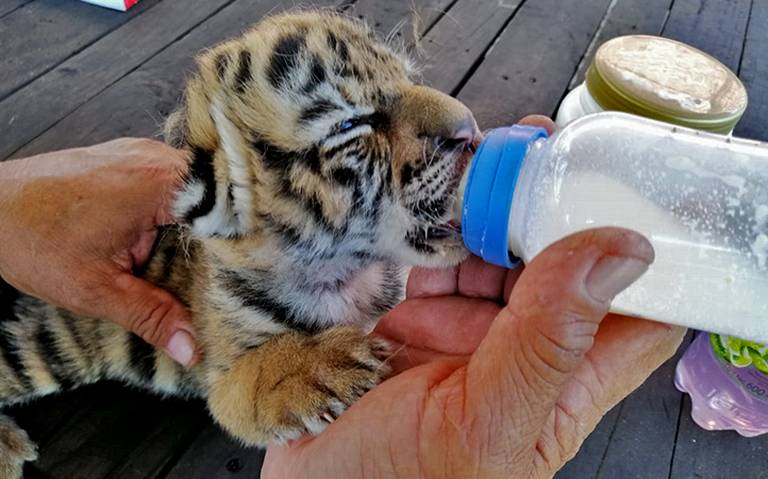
<point x="660" y="79"/>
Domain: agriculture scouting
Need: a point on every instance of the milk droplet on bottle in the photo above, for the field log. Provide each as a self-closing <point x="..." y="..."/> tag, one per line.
<point x="700" y="198"/>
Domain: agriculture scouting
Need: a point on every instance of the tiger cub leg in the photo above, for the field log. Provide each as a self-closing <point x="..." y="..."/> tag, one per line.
<point x="296" y="384"/>
<point x="15" y="449"/>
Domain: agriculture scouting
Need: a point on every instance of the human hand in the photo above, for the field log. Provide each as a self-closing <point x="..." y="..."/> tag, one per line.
<point x="498" y="373"/>
<point x="75" y="223"/>
<point x="486" y="390"/>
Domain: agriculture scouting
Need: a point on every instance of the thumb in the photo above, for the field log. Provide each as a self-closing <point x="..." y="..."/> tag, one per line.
<point x="554" y="312"/>
<point x="155" y="315"/>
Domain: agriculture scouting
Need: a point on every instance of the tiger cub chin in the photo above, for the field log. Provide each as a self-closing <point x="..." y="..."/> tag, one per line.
<point x="318" y="169"/>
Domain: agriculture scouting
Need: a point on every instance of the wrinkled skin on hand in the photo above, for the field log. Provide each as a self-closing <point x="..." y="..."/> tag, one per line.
<point x="75" y="223"/>
<point x="499" y="374"/>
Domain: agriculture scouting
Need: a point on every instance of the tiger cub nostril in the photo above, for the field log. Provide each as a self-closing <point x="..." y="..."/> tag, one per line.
<point x="459" y="135"/>
<point x="451" y="143"/>
<point x="456" y="143"/>
<point x="465" y="130"/>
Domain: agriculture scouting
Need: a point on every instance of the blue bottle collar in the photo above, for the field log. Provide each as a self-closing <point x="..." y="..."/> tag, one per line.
<point x="489" y="190"/>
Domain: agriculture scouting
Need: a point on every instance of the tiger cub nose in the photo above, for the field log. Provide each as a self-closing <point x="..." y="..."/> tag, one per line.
<point x="436" y="115"/>
<point x="465" y="130"/>
<point x="464" y="133"/>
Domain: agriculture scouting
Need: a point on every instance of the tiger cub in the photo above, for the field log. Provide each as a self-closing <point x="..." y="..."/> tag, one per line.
<point x="318" y="171"/>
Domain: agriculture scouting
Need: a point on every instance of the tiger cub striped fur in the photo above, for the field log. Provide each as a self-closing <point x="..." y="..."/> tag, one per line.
<point x="319" y="170"/>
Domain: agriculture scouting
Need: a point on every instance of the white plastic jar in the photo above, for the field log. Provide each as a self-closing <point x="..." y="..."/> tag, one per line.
<point x="661" y="79"/>
<point x="701" y="199"/>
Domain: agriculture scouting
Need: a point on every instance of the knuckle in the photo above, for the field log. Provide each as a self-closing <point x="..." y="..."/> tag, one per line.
<point x="158" y="171"/>
<point x="82" y="297"/>
<point x="570" y="430"/>
<point x="122" y="141"/>
<point x="149" y="323"/>
<point x="573" y="334"/>
<point x="131" y="145"/>
<point x="569" y="304"/>
<point x="145" y="142"/>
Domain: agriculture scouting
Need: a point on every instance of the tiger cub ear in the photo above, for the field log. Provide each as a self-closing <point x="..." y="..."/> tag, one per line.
<point x="215" y="200"/>
<point x="204" y="204"/>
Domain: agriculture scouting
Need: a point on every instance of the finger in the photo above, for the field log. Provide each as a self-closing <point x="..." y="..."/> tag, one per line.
<point x="424" y="330"/>
<point x="511" y="280"/>
<point x="473" y="278"/>
<point x="171" y="183"/>
<point x="431" y="282"/>
<point x="141" y="251"/>
<point x="478" y="279"/>
<point x="540" y="121"/>
<point x="541" y="337"/>
<point x="626" y="352"/>
<point x="163" y="170"/>
<point x="155" y="315"/>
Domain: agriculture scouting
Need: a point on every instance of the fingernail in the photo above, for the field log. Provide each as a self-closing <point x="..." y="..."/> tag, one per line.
<point x="613" y="274"/>
<point x="181" y="347"/>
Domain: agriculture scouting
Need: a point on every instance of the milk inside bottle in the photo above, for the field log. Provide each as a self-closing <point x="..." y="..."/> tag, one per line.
<point x="700" y="198"/>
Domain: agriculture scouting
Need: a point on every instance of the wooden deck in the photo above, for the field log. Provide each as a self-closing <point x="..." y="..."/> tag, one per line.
<point x="73" y="74"/>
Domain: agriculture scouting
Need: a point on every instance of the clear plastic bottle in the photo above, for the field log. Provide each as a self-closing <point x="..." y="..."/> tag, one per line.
<point x="662" y="79"/>
<point x="701" y="199"/>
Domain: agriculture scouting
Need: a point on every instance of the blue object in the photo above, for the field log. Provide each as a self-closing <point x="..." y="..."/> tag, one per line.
<point x="489" y="190"/>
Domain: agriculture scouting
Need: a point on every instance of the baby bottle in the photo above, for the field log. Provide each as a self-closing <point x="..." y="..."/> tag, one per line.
<point x="659" y="78"/>
<point x="700" y="198"/>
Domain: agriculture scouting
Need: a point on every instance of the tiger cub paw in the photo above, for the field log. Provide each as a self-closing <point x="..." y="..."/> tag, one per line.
<point x="15" y="449"/>
<point x="298" y="384"/>
<point x="348" y="364"/>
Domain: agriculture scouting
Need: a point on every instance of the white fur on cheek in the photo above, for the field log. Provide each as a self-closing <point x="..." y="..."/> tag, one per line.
<point x="220" y="221"/>
<point x="237" y="161"/>
<point x="227" y="217"/>
<point x="187" y="198"/>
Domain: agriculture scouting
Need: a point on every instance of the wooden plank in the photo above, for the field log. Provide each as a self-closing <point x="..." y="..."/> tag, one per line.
<point x="42" y="34"/>
<point x="129" y="431"/>
<point x="646" y="421"/>
<point x="530" y="65"/>
<point x="137" y="104"/>
<point x="754" y="74"/>
<point x="626" y="17"/>
<point x="214" y="454"/>
<point x="164" y="444"/>
<point x="401" y="18"/>
<point x="644" y="438"/>
<point x="460" y="38"/>
<point x="716" y="27"/>
<point x="704" y="454"/>
<point x="43" y="417"/>
<point x="9" y="6"/>
<point x="39" y="105"/>
<point x="587" y="462"/>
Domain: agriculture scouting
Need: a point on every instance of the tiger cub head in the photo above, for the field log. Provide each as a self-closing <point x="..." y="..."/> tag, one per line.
<point x="307" y="133"/>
